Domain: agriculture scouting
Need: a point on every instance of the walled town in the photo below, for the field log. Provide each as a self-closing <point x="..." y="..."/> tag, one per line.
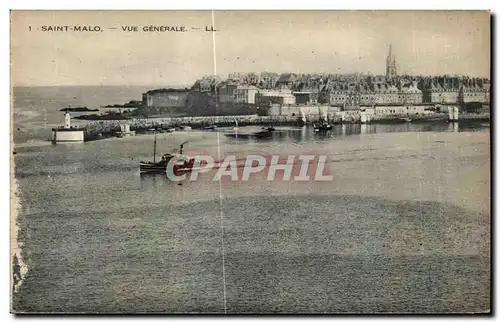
<point x="260" y="98"/>
<point x="390" y="93"/>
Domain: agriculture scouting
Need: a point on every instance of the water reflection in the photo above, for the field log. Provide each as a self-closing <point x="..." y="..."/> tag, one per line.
<point x="158" y="180"/>
<point x="453" y="127"/>
<point x="307" y="133"/>
<point x="364" y="129"/>
<point x="160" y="185"/>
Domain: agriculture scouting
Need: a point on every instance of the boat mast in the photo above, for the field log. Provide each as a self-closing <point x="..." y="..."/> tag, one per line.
<point x="182" y="146"/>
<point x="154" y="151"/>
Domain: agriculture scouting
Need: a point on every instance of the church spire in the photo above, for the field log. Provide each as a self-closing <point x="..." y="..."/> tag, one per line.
<point x="390" y="63"/>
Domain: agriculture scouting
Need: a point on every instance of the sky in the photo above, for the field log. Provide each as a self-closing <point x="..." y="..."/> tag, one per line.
<point x="424" y="43"/>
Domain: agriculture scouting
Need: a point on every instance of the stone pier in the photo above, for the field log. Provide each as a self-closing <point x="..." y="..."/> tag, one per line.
<point x="112" y="126"/>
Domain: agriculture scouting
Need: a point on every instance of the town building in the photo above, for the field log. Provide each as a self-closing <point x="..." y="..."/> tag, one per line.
<point x="474" y="91"/>
<point x="206" y="84"/>
<point x="245" y="94"/>
<point x="411" y="94"/>
<point x="442" y="90"/>
<point x="402" y="110"/>
<point x="283" y="97"/>
<point x="306" y="97"/>
<point x="334" y="93"/>
<point x="308" y="111"/>
<point x="226" y="92"/>
<point x="268" y="80"/>
<point x="285" y="81"/>
<point x="386" y="93"/>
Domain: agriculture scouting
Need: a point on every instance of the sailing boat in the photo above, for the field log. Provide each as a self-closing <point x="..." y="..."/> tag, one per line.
<point x="236" y="126"/>
<point x="161" y="166"/>
<point x="324" y="124"/>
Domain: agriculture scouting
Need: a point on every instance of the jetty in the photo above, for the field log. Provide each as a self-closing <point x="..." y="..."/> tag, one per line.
<point x="109" y="128"/>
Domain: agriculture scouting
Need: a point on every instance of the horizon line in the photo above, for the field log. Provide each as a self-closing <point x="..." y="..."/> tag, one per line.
<point x="98" y="85"/>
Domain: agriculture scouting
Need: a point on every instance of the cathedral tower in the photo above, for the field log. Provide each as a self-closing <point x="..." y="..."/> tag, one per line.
<point x="390" y="69"/>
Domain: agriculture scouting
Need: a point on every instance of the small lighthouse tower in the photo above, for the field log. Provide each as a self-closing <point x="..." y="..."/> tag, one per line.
<point x="66" y="133"/>
<point x="67" y="120"/>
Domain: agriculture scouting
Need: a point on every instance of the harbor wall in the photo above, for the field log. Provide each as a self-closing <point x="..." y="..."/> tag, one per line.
<point x="165" y="98"/>
<point x="107" y="126"/>
<point x="112" y="126"/>
<point x="310" y="111"/>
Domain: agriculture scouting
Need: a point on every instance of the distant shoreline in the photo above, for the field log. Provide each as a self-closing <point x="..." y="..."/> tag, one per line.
<point x="78" y="109"/>
<point x="103" y="85"/>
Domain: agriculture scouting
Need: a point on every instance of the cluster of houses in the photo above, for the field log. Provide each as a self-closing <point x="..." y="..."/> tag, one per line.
<point x="345" y="90"/>
<point x="294" y="93"/>
<point x="288" y="94"/>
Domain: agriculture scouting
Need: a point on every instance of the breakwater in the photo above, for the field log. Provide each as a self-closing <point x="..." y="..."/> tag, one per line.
<point x="95" y="129"/>
<point x="105" y="127"/>
<point x="428" y="118"/>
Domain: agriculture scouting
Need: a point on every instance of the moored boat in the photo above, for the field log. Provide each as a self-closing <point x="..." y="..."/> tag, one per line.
<point x="211" y="127"/>
<point x="265" y="133"/>
<point x="323" y="124"/>
<point x="322" y="127"/>
<point x="184" y="163"/>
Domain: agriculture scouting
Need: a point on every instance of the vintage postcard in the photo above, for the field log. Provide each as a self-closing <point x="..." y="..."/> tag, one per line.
<point x="250" y="162"/>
